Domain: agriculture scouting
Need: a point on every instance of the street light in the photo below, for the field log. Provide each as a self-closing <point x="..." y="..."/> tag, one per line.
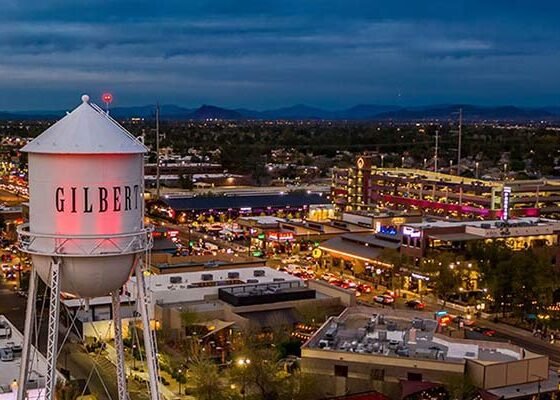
<point x="243" y="363"/>
<point x="382" y="157"/>
<point x="402" y="162"/>
<point x="476" y="169"/>
<point x="425" y="162"/>
<point x="180" y="376"/>
<point x="134" y="357"/>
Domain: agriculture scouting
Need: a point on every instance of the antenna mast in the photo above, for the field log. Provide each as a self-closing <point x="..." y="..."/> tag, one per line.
<point x="459" y="144"/>
<point x="157" y="152"/>
<point x="436" y="152"/>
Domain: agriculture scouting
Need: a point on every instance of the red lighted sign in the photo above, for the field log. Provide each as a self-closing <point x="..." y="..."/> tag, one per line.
<point x="280" y="236"/>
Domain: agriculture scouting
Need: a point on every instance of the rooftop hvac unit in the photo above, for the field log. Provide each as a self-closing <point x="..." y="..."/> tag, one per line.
<point x="175" y="279"/>
<point x="382" y="335"/>
<point x="258" y="272"/>
<point x="278" y="280"/>
<point x="207" y="277"/>
<point x="233" y="275"/>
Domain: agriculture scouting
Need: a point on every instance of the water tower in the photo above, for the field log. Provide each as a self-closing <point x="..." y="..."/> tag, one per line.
<point x="86" y="232"/>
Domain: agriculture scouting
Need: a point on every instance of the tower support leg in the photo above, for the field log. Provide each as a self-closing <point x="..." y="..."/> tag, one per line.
<point x="52" y="339"/>
<point x="27" y="334"/>
<point x="117" y="324"/>
<point x="149" y="345"/>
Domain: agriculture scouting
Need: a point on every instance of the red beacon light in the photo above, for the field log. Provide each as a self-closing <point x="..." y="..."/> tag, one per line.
<point x="107" y="98"/>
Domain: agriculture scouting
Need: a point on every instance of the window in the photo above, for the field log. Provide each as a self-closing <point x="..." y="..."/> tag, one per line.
<point x="341" y="370"/>
<point x="413" y="376"/>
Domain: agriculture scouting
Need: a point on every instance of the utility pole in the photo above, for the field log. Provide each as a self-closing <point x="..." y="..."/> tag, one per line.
<point x="436" y="152"/>
<point x="157" y="152"/>
<point x="459" y="144"/>
<point x="435" y="165"/>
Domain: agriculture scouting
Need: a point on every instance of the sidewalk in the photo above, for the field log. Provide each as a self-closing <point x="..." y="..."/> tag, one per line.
<point x="112" y="357"/>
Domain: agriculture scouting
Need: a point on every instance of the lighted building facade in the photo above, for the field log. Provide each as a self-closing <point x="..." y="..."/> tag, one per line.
<point x="365" y="187"/>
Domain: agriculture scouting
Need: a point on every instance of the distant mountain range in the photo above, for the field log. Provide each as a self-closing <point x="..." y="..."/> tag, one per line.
<point x="362" y="112"/>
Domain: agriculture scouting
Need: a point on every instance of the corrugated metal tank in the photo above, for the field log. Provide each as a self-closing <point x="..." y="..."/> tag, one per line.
<point x="85" y="201"/>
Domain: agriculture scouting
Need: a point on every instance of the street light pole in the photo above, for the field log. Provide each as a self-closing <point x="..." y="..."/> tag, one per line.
<point x="134" y="357"/>
<point x="243" y="363"/>
<point x="180" y="379"/>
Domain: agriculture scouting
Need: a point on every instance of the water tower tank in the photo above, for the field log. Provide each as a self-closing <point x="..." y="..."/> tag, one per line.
<point x="86" y="183"/>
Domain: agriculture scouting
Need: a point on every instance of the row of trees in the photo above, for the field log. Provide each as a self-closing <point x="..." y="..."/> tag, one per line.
<point x="522" y="282"/>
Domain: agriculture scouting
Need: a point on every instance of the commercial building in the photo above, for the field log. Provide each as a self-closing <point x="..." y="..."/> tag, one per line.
<point x="361" y="254"/>
<point x="393" y="351"/>
<point x="171" y="264"/>
<point x="277" y="235"/>
<point x="366" y="187"/>
<point x="518" y="234"/>
<point x="183" y="208"/>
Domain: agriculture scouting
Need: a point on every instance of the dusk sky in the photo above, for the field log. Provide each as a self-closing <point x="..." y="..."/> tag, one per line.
<point x="264" y="54"/>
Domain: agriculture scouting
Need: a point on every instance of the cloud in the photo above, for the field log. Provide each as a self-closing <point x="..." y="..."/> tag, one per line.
<point x="259" y="54"/>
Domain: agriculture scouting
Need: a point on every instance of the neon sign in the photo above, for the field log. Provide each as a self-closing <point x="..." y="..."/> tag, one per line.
<point x="413" y="233"/>
<point x="505" y="202"/>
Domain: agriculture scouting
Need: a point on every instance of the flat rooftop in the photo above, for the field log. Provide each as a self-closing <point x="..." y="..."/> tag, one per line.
<point x="399" y="333"/>
<point x="188" y="287"/>
<point x="244" y="201"/>
<point x="11" y="342"/>
<point x="522" y="222"/>
<point x="226" y="277"/>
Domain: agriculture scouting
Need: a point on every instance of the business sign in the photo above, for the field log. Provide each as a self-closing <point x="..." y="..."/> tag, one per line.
<point x="411" y="232"/>
<point x="316" y="253"/>
<point x="361" y="162"/>
<point x="280" y="236"/>
<point x="506" y="193"/>
<point x="98" y="199"/>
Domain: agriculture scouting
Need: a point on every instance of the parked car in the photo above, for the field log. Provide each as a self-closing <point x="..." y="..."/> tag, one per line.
<point x="484" y="331"/>
<point x="384" y="299"/>
<point x="348" y="284"/>
<point x="364" y="288"/>
<point x="415" y="304"/>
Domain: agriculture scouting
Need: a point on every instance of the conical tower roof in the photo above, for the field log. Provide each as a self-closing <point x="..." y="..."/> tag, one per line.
<point x="86" y="130"/>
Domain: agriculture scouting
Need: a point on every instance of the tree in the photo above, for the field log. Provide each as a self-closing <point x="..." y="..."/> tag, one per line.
<point x="444" y="267"/>
<point x="459" y="387"/>
<point x="395" y="258"/>
<point x="206" y="380"/>
<point x="260" y="374"/>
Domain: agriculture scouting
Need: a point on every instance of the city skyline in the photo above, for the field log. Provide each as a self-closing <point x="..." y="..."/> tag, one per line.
<point x="265" y="55"/>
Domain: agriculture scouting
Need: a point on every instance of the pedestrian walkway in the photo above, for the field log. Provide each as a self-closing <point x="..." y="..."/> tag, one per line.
<point x="164" y="390"/>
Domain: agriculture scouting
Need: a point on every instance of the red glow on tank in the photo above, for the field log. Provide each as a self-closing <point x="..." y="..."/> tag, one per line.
<point x="107" y="97"/>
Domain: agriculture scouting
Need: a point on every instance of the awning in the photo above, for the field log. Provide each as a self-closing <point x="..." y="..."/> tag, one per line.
<point x="454" y="237"/>
<point x="214" y="326"/>
<point x="351" y="249"/>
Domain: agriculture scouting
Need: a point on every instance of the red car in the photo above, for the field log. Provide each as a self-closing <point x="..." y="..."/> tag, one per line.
<point x="485" y="331"/>
<point x="415" y="304"/>
<point x="364" y="288"/>
<point x="348" y="284"/>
